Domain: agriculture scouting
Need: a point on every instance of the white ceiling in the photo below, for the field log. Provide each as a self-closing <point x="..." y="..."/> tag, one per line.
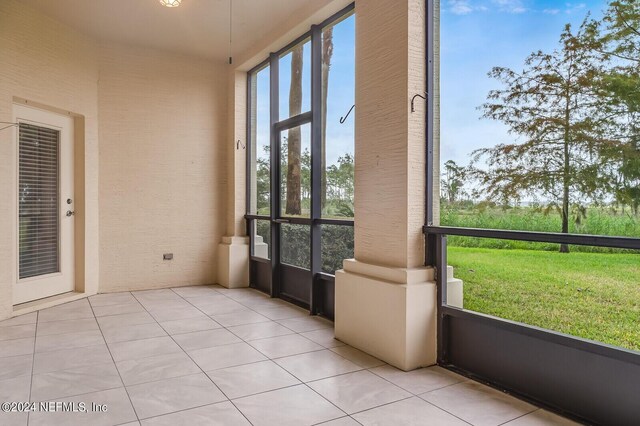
<point x="197" y="27"/>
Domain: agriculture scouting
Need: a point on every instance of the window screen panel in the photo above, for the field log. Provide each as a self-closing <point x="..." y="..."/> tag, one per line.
<point x="38" y="195"/>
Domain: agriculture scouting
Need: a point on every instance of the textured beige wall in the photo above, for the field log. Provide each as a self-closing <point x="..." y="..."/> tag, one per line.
<point x="236" y="153"/>
<point x="390" y="144"/>
<point x="162" y="167"/>
<point x="48" y="63"/>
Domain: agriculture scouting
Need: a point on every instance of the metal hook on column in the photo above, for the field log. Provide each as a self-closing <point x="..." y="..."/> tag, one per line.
<point x="240" y="144"/>
<point x="417" y="95"/>
<point x="343" y="119"/>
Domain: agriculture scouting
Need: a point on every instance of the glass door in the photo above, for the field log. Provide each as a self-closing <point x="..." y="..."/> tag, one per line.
<point x="293" y="218"/>
<point x="300" y="164"/>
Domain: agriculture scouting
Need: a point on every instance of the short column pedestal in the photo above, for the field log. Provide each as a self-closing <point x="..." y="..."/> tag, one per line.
<point x="233" y="262"/>
<point x="389" y="313"/>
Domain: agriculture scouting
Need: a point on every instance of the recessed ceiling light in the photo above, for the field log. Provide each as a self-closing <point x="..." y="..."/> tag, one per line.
<point x="170" y="3"/>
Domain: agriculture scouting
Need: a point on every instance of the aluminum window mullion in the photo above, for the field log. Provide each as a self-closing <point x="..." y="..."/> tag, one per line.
<point x="316" y="162"/>
<point x="274" y="104"/>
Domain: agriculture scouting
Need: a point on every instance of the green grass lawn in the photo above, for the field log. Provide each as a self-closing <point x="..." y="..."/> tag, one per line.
<point x="590" y="295"/>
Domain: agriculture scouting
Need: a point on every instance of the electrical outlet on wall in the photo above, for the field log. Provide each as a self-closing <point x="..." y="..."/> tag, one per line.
<point x="167" y="256"/>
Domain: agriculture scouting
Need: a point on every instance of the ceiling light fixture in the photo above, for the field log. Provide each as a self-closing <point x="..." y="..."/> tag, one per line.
<point x="170" y="3"/>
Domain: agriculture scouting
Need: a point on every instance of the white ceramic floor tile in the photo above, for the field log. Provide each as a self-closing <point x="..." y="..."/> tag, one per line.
<point x="206" y="339"/>
<point x="67" y="326"/>
<point x="72" y="310"/>
<point x="226" y="356"/>
<point x="168" y="387"/>
<point x="119" y="410"/>
<point x="478" y="404"/>
<point x="295" y="406"/>
<point x="16" y="347"/>
<point x="265" y="302"/>
<point x="413" y="411"/>
<point x="106" y="299"/>
<point x="189" y="325"/>
<point x="420" y="380"/>
<point x="15" y="366"/>
<point x="217" y="305"/>
<point x="13" y="419"/>
<point x="281" y="346"/>
<point x="244" y="294"/>
<point x="136" y="349"/>
<point x="176" y="313"/>
<point x="324" y="337"/>
<point x="300" y="325"/>
<point x="196" y="291"/>
<point x="114" y="321"/>
<point x="252" y="378"/>
<point x="15" y="389"/>
<point x="316" y="365"/>
<point x="220" y="414"/>
<point x="170" y="395"/>
<point x="357" y="357"/>
<point x="239" y="318"/>
<point x="282" y="312"/>
<point x="260" y="330"/>
<point x="132" y="332"/>
<point x="175" y="304"/>
<point x="79" y="339"/>
<point x="143" y="370"/>
<point x="358" y="391"/>
<point x="46" y="362"/>
<point x="20" y="320"/>
<point x="128" y="308"/>
<point x="75" y="381"/>
<point x="541" y="418"/>
<point x="154" y="295"/>
<point x="17" y="332"/>
<point x="343" y="421"/>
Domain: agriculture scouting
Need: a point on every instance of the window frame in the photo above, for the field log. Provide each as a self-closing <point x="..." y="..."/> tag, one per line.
<point x="466" y="339"/>
<point x="314" y="117"/>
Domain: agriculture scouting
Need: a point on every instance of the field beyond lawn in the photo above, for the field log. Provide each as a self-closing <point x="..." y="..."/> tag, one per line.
<point x="590" y="295"/>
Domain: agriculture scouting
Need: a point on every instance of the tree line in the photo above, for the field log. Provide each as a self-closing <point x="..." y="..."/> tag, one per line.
<point x="575" y="112"/>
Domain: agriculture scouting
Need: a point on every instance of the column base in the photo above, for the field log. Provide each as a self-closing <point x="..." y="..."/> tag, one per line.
<point x="455" y="290"/>
<point x="233" y="262"/>
<point x="389" y="313"/>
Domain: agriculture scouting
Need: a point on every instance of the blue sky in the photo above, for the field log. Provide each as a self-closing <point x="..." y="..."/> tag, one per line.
<point x="477" y="35"/>
<point x="341" y="93"/>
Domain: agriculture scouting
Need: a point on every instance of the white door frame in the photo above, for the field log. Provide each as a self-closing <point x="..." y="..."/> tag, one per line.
<point x="33" y="288"/>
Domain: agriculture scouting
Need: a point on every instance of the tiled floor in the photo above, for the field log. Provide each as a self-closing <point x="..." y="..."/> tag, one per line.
<point x="212" y="356"/>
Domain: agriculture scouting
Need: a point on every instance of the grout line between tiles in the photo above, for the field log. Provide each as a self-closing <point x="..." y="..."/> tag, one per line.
<point x="204" y="372"/>
<point x="246" y="303"/>
<point x="117" y="369"/>
<point x="33" y="362"/>
<point x="516" y="418"/>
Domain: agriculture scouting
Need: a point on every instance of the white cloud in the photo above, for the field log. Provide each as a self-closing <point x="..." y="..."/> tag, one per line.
<point x="464" y="7"/>
<point x="574" y="7"/>
<point x="510" y="6"/>
<point x="460" y="7"/>
<point x="551" y="11"/>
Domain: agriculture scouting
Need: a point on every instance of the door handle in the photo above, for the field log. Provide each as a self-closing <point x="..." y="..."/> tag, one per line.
<point x="70" y="213"/>
<point x="282" y="221"/>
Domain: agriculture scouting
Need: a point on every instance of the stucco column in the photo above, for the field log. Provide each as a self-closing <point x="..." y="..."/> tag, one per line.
<point x="233" y="251"/>
<point x="385" y="297"/>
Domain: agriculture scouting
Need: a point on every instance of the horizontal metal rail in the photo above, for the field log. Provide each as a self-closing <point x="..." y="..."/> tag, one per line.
<point x="615" y="352"/>
<point x="540" y="237"/>
<point x="292" y="122"/>
<point x="302" y="220"/>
